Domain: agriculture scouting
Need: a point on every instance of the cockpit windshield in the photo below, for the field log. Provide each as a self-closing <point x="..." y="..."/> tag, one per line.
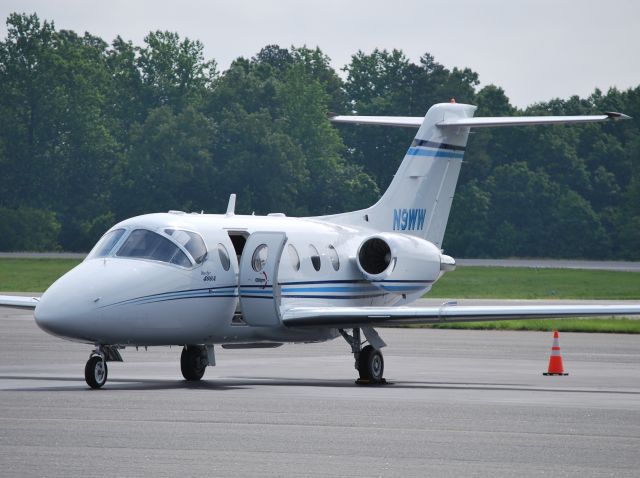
<point x="105" y="244"/>
<point x="191" y="241"/>
<point x="145" y="244"/>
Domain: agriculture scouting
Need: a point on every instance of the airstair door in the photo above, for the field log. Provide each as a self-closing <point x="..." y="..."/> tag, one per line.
<point x="258" y="280"/>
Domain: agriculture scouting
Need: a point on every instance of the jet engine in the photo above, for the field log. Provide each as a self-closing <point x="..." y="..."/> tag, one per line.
<point x="401" y="264"/>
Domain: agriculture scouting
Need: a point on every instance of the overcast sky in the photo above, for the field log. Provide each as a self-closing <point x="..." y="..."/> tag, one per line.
<point x="534" y="49"/>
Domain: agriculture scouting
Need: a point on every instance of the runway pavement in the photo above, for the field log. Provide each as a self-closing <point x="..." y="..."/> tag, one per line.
<point x="460" y="403"/>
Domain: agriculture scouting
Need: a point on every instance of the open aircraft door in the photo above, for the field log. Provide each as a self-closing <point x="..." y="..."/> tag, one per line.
<point x="258" y="281"/>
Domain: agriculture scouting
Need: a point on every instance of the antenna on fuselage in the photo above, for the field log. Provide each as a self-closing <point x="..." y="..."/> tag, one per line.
<point x="231" y="207"/>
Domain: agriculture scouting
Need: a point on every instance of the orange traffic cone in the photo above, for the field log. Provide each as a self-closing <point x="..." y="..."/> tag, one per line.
<point x="555" y="361"/>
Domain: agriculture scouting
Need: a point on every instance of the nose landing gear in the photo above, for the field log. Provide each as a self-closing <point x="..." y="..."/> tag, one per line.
<point x="96" y="370"/>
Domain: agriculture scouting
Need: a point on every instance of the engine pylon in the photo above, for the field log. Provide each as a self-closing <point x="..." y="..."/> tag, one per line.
<point x="555" y="360"/>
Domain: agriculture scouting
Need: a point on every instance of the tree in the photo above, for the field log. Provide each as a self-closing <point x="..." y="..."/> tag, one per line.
<point x="92" y="132"/>
<point x="174" y="72"/>
<point x="55" y="128"/>
<point x="168" y="165"/>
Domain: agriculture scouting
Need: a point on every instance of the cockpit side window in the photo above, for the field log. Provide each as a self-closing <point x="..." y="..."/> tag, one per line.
<point x="191" y="241"/>
<point x="105" y="244"/>
<point x="145" y="244"/>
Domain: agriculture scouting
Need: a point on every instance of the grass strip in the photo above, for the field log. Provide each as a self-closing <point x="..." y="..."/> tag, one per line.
<point x="609" y="326"/>
<point x="32" y="275"/>
<point x="527" y="283"/>
<point x="35" y="275"/>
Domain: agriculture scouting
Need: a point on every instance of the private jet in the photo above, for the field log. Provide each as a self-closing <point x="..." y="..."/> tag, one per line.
<point x="247" y="281"/>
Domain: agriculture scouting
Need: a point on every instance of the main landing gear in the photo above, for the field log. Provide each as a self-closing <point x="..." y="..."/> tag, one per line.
<point x="368" y="359"/>
<point x="194" y="360"/>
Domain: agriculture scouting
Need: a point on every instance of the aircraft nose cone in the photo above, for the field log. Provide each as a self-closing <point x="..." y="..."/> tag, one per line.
<point x="52" y="318"/>
<point x="67" y="309"/>
<point x="63" y="318"/>
<point x="43" y="318"/>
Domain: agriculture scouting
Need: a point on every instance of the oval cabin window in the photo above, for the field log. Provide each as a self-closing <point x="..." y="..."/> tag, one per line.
<point x="224" y="257"/>
<point x="335" y="259"/>
<point x="315" y="257"/>
<point x="259" y="259"/>
<point x="294" y="257"/>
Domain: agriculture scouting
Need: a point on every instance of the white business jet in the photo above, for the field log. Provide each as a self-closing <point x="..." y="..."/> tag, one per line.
<point x="197" y="280"/>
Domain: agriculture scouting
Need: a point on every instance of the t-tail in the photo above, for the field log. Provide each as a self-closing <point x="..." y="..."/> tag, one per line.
<point x="418" y="200"/>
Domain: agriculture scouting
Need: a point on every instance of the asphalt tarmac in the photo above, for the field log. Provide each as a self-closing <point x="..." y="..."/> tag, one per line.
<point x="459" y="403"/>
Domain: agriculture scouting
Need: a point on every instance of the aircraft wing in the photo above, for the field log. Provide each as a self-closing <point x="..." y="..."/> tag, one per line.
<point x="18" y="302"/>
<point x="349" y="317"/>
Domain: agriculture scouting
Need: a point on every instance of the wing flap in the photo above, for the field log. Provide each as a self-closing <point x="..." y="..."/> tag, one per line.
<point x="18" y="302"/>
<point x="347" y="317"/>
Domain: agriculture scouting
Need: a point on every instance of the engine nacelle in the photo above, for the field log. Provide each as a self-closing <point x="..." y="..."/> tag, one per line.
<point x="398" y="263"/>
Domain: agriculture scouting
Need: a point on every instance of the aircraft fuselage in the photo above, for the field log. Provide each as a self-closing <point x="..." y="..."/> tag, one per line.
<point x="117" y="298"/>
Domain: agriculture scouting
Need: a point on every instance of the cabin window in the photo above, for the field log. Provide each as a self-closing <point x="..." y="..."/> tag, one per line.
<point x="191" y="241"/>
<point x="335" y="259"/>
<point x="315" y="257"/>
<point x="224" y="257"/>
<point x="259" y="259"/>
<point x="106" y="243"/>
<point x="294" y="257"/>
<point x="144" y="244"/>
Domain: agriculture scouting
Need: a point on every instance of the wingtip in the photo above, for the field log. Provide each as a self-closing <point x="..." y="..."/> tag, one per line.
<point x="615" y="116"/>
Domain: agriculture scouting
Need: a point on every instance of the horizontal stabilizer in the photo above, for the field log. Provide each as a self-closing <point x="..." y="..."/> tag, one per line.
<point x="18" y="302"/>
<point x="488" y="121"/>
<point x="478" y="122"/>
<point x="402" y="121"/>
<point x="348" y="317"/>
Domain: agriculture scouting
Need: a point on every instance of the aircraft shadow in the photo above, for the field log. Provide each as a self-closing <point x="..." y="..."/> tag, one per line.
<point x="242" y="383"/>
<point x="120" y="384"/>
<point x="288" y="382"/>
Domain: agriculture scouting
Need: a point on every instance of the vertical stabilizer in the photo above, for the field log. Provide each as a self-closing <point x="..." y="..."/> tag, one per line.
<point x="418" y="200"/>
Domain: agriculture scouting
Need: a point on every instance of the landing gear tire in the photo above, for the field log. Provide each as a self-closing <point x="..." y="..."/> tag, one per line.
<point x="95" y="372"/>
<point x="191" y="363"/>
<point x="370" y="365"/>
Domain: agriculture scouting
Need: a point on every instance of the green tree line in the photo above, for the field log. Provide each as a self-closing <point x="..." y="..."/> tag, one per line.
<point x="94" y="132"/>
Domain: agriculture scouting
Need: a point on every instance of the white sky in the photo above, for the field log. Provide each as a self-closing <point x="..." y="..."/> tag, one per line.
<point x="534" y="49"/>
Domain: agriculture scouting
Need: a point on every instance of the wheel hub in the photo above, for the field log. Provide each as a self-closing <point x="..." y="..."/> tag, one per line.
<point x="99" y="372"/>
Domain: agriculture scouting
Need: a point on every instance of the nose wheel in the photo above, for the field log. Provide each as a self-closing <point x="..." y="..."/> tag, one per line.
<point x="95" y="372"/>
